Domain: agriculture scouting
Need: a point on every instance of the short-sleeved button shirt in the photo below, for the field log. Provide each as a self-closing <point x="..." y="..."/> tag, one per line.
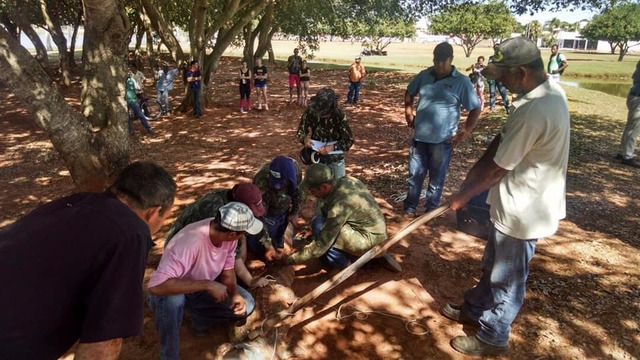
<point x="438" y="111"/>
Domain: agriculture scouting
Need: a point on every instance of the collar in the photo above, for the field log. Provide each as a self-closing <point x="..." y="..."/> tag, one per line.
<point x="536" y="93"/>
<point x="454" y="73"/>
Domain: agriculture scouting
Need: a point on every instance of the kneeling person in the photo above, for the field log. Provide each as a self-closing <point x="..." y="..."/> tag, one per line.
<point x="350" y="223"/>
<point x="197" y="272"/>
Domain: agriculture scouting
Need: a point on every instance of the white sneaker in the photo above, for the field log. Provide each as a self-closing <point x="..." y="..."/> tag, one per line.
<point x="242" y="110"/>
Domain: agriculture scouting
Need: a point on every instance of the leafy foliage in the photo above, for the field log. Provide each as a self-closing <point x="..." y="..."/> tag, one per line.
<point x="473" y="23"/>
<point x="618" y="25"/>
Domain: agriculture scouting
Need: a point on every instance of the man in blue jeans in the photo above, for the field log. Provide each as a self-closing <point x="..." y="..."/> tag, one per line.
<point x="194" y="78"/>
<point x="525" y="170"/>
<point x="196" y="272"/>
<point x="442" y="90"/>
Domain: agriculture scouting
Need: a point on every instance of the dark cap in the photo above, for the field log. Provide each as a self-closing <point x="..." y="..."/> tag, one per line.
<point x="281" y="170"/>
<point x="250" y="195"/>
<point x="512" y="52"/>
<point x="324" y="102"/>
<point x="443" y="51"/>
<point x="316" y="174"/>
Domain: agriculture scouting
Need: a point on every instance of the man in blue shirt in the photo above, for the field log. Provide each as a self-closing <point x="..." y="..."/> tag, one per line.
<point x="442" y="90"/>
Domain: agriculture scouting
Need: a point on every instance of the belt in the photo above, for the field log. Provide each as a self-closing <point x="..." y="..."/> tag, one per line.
<point x="633" y="93"/>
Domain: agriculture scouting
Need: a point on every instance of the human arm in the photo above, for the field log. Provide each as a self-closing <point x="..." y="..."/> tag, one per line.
<point x="228" y="279"/>
<point x="104" y="350"/>
<point x="469" y="125"/>
<point x="304" y="129"/>
<point x="482" y="176"/>
<point x="176" y="286"/>
<point x="563" y="64"/>
<point x="408" y="109"/>
<point x="243" y="274"/>
<point x="329" y="232"/>
<point x="344" y="139"/>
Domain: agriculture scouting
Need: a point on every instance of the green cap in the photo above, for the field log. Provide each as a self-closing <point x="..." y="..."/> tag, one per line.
<point x="316" y="174"/>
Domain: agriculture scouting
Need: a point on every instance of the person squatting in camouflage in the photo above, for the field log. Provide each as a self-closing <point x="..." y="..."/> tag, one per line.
<point x="324" y="121"/>
<point x="350" y="223"/>
<point x="208" y="206"/>
<point x="278" y="182"/>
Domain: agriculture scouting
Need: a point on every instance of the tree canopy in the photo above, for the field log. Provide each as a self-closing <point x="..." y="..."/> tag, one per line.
<point x="473" y="22"/>
<point x="618" y="25"/>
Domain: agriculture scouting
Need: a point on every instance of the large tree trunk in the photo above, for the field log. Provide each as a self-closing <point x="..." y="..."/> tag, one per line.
<point x="9" y="24"/>
<point x="91" y="154"/>
<point x="624" y="47"/>
<point x="158" y="23"/>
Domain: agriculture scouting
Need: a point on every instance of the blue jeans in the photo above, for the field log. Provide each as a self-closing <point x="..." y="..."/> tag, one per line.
<point x="496" y="299"/>
<point x="163" y="100"/>
<point x="427" y="158"/>
<point x="492" y="94"/>
<point x="334" y="258"/>
<point x="354" y="92"/>
<point x="137" y="111"/>
<point x="275" y="225"/>
<point x="204" y="313"/>
<point x="197" y="104"/>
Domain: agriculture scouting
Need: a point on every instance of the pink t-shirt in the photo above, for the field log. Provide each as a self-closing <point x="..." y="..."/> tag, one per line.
<point x="191" y="256"/>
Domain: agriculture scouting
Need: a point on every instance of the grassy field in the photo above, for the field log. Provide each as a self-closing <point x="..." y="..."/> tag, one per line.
<point x="412" y="57"/>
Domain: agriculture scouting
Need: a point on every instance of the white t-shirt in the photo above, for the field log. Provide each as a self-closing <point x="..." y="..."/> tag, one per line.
<point x="529" y="200"/>
<point x="191" y="256"/>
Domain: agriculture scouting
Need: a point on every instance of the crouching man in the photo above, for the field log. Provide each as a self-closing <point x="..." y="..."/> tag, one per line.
<point x="350" y="222"/>
<point x="196" y="272"/>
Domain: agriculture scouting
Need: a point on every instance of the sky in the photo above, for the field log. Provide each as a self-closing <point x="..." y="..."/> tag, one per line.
<point x="568" y="16"/>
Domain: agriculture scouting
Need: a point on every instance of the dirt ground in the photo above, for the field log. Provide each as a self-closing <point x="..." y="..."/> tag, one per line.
<point x="583" y="297"/>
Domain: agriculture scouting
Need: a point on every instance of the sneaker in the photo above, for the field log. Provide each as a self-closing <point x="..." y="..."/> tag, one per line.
<point x="454" y="312"/>
<point x="242" y="110"/>
<point x="470" y="345"/>
<point x="410" y="213"/>
<point x="631" y="162"/>
<point x="266" y="107"/>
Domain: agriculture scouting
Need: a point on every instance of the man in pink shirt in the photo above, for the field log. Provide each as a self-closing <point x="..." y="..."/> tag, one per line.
<point x="197" y="272"/>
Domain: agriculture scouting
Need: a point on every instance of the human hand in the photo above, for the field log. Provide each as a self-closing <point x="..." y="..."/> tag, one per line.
<point x="456" y="201"/>
<point x="304" y="234"/>
<point x="325" y="150"/>
<point x="410" y="118"/>
<point x="217" y="291"/>
<point x="307" y="139"/>
<point x="458" y="137"/>
<point x="259" y="282"/>
<point x="270" y="253"/>
<point x="293" y="219"/>
<point x="238" y="305"/>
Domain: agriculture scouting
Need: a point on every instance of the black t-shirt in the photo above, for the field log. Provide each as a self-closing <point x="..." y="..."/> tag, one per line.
<point x="259" y="71"/>
<point x="71" y="270"/>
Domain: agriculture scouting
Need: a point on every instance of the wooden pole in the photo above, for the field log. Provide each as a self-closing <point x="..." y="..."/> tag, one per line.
<point x="343" y="275"/>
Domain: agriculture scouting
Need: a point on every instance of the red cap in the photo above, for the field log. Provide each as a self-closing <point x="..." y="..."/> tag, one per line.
<point x="250" y="195"/>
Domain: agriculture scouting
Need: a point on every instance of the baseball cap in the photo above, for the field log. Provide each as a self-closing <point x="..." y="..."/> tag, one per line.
<point x="281" y="169"/>
<point x="323" y="102"/>
<point x="512" y="52"/>
<point x="316" y="174"/>
<point x="249" y="195"/>
<point x="442" y="51"/>
<point x="237" y="216"/>
<point x="358" y="57"/>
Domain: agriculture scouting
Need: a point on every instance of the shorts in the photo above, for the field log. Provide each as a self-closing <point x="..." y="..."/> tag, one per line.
<point x="260" y="85"/>
<point x="294" y="80"/>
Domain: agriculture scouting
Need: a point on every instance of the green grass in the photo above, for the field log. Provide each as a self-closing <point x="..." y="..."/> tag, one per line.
<point x="413" y="57"/>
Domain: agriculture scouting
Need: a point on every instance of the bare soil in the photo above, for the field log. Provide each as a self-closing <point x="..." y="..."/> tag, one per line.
<point x="583" y="296"/>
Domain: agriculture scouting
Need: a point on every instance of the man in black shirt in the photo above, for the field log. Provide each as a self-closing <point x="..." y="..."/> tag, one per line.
<point x="72" y="269"/>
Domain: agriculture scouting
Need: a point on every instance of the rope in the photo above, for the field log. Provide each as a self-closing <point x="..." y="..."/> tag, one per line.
<point x="399" y="197"/>
<point x="363" y="315"/>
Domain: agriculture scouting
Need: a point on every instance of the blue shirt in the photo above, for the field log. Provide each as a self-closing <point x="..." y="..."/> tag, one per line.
<point x="438" y="112"/>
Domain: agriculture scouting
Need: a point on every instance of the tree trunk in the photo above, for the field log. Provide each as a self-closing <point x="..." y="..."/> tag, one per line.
<point x="41" y="51"/>
<point x="158" y="23"/>
<point x="624" y="47"/>
<point x="72" y="47"/>
<point x="91" y="154"/>
<point x="57" y="35"/>
<point x="9" y="25"/>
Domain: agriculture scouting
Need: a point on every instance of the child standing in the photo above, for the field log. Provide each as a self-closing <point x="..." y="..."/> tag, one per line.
<point x="245" y="87"/>
<point x="305" y="79"/>
<point x="477" y="79"/>
<point x="260" y="82"/>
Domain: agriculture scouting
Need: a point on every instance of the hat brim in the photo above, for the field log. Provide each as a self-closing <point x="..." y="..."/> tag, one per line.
<point x="255" y="227"/>
<point x="276" y="183"/>
<point x="257" y="209"/>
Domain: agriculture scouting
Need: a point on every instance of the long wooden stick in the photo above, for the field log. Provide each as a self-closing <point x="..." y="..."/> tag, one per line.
<point x="343" y="275"/>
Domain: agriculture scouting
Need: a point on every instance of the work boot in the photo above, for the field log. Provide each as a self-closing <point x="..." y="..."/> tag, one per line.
<point x="470" y="345"/>
<point x="454" y="312"/>
<point x="631" y="162"/>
